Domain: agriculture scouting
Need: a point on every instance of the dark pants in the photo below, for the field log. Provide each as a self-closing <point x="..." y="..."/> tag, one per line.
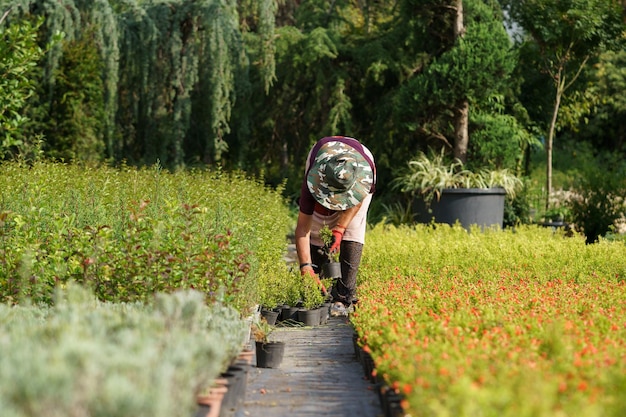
<point x="350" y="257"/>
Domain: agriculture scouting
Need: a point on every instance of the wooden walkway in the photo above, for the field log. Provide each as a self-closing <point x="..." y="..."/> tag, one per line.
<point x="319" y="376"/>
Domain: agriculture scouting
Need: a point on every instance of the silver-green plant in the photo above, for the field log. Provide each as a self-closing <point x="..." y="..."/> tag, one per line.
<point x="428" y="176"/>
<point x="85" y="357"/>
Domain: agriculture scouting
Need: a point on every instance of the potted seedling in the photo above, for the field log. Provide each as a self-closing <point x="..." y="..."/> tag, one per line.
<point x="312" y="300"/>
<point x="332" y="268"/>
<point x="269" y="353"/>
<point x="291" y="296"/>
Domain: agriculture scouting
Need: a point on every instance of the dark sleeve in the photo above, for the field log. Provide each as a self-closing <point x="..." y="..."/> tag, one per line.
<point x="307" y="202"/>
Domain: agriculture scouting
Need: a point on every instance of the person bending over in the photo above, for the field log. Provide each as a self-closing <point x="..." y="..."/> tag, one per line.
<point x="337" y="188"/>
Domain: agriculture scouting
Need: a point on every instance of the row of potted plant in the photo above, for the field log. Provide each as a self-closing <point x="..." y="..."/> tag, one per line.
<point x="173" y="286"/>
<point x="304" y="298"/>
<point x="294" y="298"/>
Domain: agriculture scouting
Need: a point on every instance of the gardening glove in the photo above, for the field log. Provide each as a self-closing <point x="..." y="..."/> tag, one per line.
<point x="335" y="243"/>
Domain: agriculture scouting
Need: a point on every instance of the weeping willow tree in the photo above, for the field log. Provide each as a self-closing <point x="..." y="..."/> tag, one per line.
<point x="178" y="64"/>
<point x="170" y="72"/>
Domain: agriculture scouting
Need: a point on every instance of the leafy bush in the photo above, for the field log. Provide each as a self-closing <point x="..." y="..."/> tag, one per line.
<point x="311" y="293"/>
<point x="19" y="56"/>
<point x="598" y="198"/>
<point x="131" y="232"/>
<point x="275" y="285"/>
<point x="73" y="120"/>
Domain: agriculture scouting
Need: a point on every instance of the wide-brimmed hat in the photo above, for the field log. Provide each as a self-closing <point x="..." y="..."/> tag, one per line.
<point x="340" y="177"/>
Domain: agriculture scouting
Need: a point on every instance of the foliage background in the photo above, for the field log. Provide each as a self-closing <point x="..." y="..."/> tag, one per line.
<point x="252" y="84"/>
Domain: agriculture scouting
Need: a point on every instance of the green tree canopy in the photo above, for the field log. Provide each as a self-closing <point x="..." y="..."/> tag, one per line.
<point x="19" y="56"/>
<point x="389" y="74"/>
<point x="563" y="37"/>
<point x="475" y="66"/>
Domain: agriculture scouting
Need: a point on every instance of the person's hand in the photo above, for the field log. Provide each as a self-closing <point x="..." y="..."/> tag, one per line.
<point x="307" y="270"/>
<point x="335" y="243"/>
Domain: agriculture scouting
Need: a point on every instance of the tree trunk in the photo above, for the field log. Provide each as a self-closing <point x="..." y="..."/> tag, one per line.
<point x="459" y="28"/>
<point x="461" y="122"/>
<point x="284" y="160"/>
<point x="461" y="131"/>
<point x="561" y="87"/>
<point x="555" y="112"/>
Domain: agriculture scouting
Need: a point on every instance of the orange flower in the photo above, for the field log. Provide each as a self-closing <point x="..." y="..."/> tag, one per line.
<point x="404" y="404"/>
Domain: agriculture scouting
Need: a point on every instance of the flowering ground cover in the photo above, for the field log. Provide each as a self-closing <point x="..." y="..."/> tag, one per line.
<point x="500" y="323"/>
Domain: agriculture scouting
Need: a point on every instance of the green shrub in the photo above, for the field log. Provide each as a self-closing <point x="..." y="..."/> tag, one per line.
<point x="130" y="232"/>
<point x="274" y="284"/>
<point x="73" y="122"/>
<point x="311" y="293"/>
<point x="598" y="198"/>
<point x="19" y="55"/>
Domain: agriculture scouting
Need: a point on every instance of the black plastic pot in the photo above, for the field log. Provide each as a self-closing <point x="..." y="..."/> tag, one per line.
<point x="270" y="315"/>
<point x="309" y="317"/>
<point x="289" y="313"/>
<point x="483" y="207"/>
<point x="331" y="270"/>
<point x="270" y="354"/>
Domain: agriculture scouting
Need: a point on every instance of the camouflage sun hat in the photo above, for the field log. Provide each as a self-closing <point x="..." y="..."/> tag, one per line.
<point x="340" y="177"/>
